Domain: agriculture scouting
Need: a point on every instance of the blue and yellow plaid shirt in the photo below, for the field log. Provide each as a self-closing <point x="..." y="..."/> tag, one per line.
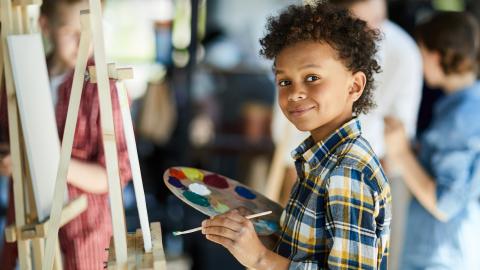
<point x="339" y="212"/>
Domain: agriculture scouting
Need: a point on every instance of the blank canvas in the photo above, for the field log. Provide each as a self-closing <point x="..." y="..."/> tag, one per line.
<point x="37" y="116"/>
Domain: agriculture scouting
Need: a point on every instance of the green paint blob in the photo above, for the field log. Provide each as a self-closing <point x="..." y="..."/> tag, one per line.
<point x="221" y="208"/>
<point x="196" y="199"/>
<point x="193" y="174"/>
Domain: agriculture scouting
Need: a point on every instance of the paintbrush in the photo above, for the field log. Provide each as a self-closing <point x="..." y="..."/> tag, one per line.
<point x="200" y="228"/>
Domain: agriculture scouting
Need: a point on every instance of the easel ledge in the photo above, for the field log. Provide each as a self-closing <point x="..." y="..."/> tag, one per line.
<point x="31" y="231"/>
<point x="113" y="73"/>
<point x="137" y="257"/>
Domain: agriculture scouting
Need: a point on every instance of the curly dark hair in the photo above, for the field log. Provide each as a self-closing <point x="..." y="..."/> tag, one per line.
<point x="354" y="42"/>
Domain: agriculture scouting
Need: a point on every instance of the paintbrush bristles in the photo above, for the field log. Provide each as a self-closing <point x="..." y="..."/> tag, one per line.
<point x="200" y="228"/>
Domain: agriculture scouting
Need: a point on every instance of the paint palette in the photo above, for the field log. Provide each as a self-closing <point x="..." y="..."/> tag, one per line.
<point x="214" y="194"/>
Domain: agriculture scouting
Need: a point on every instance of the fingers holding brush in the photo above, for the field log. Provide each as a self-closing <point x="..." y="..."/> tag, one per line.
<point x="236" y="233"/>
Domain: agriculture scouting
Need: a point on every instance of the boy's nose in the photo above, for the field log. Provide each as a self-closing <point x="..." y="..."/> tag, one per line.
<point x="297" y="93"/>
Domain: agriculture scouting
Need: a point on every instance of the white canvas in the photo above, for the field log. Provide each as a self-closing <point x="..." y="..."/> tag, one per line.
<point x="37" y="116"/>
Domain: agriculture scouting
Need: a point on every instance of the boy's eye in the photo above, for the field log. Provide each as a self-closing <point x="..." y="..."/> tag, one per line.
<point x="312" y="78"/>
<point x="283" y="83"/>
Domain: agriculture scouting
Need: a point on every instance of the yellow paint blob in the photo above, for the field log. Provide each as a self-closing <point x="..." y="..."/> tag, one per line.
<point x="193" y="174"/>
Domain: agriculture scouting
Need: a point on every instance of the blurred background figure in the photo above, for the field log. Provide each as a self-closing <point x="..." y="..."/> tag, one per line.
<point x="443" y="224"/>
<point x="398" y="93"/>
<point x="83" y="239"/>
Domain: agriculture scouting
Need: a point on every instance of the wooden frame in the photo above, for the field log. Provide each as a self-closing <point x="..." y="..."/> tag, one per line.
<point x="137" y="258"/>
<point x="28" y="232"/>
<point x="92" y="33"/>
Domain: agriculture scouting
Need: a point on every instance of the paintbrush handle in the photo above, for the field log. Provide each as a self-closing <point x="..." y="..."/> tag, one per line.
<point x="247" y="217"/>
<point x="259" y="214"/>
<point x="189" y="231"/>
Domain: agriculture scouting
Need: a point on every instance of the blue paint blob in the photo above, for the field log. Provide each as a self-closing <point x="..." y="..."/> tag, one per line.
<point x="245" y="193"/>
<point x="272" y="225"/>
<point x="175" y="182"/>
<point x="265" y="227"/>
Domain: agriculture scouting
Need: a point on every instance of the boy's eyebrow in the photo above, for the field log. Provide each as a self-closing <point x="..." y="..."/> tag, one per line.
<point x="310" y="66"/>
<point x="279" y="71"/>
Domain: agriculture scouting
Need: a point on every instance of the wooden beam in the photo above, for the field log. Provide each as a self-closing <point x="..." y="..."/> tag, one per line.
<point x="134" y="164"/>
<point x="113" y="73"/>
<point x="277" y="169"/>
<point x="72" y="210"/>
<point x="159" y="260"/>
<point x="137" y="257"/>
<point x="109" y="141"/>
<point x="69" y="212"/>
<point x="26" y="2"/>
<point x="14" y="127"/>
<point x="67" y="142"/>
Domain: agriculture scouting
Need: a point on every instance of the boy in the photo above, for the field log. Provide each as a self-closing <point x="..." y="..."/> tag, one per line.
<point x="84" y="239"/>
<point x="443" y="220"/>
<point x="339" y="211"/>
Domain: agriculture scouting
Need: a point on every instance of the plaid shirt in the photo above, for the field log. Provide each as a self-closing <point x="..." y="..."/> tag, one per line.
<point x="339" y="212"/>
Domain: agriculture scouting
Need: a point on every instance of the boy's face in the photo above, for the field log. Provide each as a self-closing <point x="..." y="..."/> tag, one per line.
<point x="64" y="32"/>
<point x="432" y="69"/>
<point x="315" y="90"/>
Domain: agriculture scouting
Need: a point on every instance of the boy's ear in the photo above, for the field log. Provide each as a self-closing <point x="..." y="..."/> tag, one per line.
<point x="359" y="81"/>
<point x="44" y="25"/>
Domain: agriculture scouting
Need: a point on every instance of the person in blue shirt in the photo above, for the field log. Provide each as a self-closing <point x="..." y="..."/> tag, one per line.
<point x="443" y="224"/>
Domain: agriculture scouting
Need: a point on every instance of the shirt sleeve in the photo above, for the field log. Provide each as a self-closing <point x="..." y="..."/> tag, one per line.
<point x="122" y="152"/>
<point x="457" y="174"/>
<point x="407" y="83"/>
<point x="352" y="212"/>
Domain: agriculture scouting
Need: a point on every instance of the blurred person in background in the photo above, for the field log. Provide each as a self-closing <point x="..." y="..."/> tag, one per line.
<point x="443" y="224"/>
<point x="84" y="239"/>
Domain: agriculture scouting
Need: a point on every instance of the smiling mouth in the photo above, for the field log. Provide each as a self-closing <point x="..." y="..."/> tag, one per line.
<point x="300" y="111"/>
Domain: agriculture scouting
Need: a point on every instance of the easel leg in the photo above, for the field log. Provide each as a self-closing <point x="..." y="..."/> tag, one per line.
<point x="135" y="165"/>
<point x="17" y="20"/>
<point x="25" y="19"/>
<point x="277" y="170"/>
<point x="22" y="245"/>
<point x="38" y="252"/>
<point x="58" y="263"/>
<point x="109" y="141"/>
<point x="66" y="148"/>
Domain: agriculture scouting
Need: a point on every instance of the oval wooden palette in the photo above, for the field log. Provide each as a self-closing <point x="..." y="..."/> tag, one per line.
<point x="214" y="194"/>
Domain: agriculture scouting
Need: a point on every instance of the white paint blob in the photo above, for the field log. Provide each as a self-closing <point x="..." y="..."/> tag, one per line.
<point x="199" y="189"/>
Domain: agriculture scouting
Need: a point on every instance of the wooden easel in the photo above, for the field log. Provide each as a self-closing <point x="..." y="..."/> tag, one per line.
<point x="138" y="256"/>
<point x="125" y="254"/>
<point x="27" y="230"/>
<point x="276" y="174"/>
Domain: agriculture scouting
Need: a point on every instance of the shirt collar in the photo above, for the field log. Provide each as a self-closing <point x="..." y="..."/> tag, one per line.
<point x="450" y="100"/>
<point x="313" y="153"/>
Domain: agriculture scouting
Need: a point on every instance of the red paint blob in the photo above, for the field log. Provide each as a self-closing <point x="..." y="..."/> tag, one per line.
<point x="177" y="174"/>
<point x="216" y="181"/>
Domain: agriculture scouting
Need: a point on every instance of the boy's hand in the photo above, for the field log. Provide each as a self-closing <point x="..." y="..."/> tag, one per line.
<point x="396" y="139"/>
<point x="237" y="234"/>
